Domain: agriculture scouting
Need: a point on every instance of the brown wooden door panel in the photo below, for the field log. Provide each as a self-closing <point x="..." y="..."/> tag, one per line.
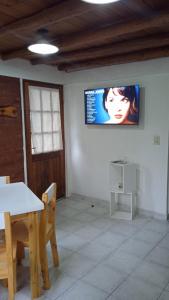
<point x="45" y="172"/>
<point x="45" y="168"/>
<point x="11" y="142"/>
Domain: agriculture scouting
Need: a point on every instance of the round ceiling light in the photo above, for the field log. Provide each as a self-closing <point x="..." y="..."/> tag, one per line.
<point x="43" y="48"/>
<point x="100" y="1"/>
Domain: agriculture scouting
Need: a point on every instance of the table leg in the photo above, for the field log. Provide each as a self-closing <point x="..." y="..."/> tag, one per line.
<point x="34" y="254"/>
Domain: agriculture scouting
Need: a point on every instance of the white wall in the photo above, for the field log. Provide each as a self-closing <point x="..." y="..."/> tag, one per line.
<point x="23" y="69"/>
<point x="91" y="148"/>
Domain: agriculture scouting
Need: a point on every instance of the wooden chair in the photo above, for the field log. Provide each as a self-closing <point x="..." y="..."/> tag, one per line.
<point x="46" y="233"/>
<point x="8" y="255"/>
<point x="4" y="179"/>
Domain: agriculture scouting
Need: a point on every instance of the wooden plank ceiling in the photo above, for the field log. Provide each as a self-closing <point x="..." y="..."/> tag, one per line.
<point x="88" y="35"/>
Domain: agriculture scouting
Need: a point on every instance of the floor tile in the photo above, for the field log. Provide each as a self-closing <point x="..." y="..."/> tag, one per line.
<point x="63" y="254"/>
<point x="164" y="243"/>
<point x="104" y="278"/>
<point x="158" y="226"/>
<point x="83" y="291"/>
<point x="95" y="251"/>
<point x="72" y="242"/>
<point x="167" y="287"/>
<point x="124" y="228"/>
<point x="140" y="221"/>
<point x="123" y="261"/>
<point x="69" y="212"/>
<point x="85" y="217"/>
<point x="159" y="256"/>
<point x="153" y="273"/>
<point x="61" y="234"/>
<point x="111" y="240"/>
<point x="98" y="210"/>
<point x="88" y="233"/>
<point x="79" y="205"/>
<point x="70" y="226"/>
<point x="134" y="289"/>
<point x="77" y="265"/>
<point x="60" y="283"/>
<point x="102" y="223"/>
<point x="164" y="296"/>
<point x="149" y="236"/>
<point x="138" y="248"/>
<point x="60" y="218"/>
<point x="61" y="204"/>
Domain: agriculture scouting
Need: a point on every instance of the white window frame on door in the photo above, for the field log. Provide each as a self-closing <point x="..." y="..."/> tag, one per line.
<point x="45" y="120"/>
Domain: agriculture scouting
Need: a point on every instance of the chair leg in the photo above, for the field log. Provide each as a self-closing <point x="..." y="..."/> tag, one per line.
<point x="44" y="267"/>
<point x="14" y="280"/>
<point x="11" y="287"/>
<point x="54" y="249"/>
<point x="10" y="290"/>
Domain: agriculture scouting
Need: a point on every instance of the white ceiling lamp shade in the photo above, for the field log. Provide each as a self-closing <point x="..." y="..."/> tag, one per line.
<point x="100" y="1"/>
<point x="43" y="48"/>
<point x="42" y="44"/>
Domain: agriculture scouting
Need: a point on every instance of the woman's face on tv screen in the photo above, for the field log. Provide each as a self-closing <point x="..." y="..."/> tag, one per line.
<point x="117" y="106"/>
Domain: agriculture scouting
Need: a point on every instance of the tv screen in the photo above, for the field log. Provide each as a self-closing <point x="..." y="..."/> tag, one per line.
<point x="112" y="105"/>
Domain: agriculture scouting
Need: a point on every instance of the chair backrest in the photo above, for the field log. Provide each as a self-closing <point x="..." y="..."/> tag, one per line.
<point x="48" y="214"/>
<point x="4" y="179"/>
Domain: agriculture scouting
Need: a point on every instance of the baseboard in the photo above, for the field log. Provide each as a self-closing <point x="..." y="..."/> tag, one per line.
<point x="139" y="211"/>
<point x="151" y="214"/>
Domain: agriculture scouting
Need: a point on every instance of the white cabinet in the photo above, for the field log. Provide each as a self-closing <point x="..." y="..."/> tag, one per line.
<point x="122" y="189"/>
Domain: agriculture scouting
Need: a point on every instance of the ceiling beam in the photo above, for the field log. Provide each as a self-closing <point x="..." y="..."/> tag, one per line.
<point x="52" y="15"/>
<point x="107" y="34"/>
<point x="139" y="7"/>
<point x="117" y="59"/>
<point x="107" y="50"/>
<point x="89" y="39"/>
<point x="22" y="52"/>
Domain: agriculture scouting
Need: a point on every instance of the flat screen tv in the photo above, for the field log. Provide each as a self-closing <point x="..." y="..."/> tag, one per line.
<point x="112" y="105"/>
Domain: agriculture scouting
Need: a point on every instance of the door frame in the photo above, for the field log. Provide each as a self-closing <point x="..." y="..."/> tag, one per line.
<point x="41" y="156"/>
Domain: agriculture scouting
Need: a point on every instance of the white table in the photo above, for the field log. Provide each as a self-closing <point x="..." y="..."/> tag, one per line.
<point x="18" y="199"/>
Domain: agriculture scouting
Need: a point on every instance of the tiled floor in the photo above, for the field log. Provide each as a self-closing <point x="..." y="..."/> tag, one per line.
<point x="102" y="258"/>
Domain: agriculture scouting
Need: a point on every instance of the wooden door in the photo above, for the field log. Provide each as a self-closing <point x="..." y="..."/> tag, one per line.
<point x="11" y="142"/>
<point x="44" y="167"/>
